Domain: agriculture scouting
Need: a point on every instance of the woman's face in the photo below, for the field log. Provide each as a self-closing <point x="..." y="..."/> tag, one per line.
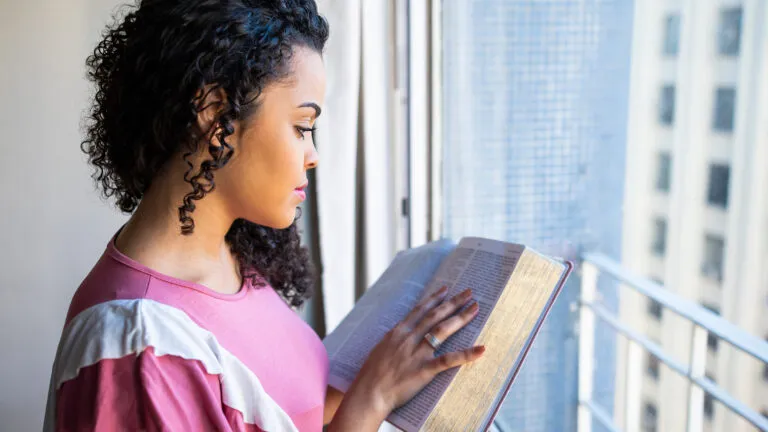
<point x="266" y="178"/>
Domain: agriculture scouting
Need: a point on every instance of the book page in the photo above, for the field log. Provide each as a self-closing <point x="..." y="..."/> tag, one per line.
<point x="478" y="389"/>
<point x="485" y="266"/>
<point x="384" y="305"/>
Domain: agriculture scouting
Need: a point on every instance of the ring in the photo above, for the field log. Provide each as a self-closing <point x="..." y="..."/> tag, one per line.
<point x="432" y="341"/>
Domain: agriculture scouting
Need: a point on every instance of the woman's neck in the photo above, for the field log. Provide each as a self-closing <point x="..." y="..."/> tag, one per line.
<point x="153" y="237"/>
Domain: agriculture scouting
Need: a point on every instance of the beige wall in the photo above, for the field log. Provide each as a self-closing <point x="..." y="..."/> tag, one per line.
<point x="54" y="225"/>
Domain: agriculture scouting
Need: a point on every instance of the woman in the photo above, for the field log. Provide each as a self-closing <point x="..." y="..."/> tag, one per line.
<point x="201" y="127"/>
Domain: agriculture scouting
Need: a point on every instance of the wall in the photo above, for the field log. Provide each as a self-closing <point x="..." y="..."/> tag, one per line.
<point x="54" y="224"/>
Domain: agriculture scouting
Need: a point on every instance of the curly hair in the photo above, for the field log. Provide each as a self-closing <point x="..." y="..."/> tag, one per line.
<point x="152" y="71"/>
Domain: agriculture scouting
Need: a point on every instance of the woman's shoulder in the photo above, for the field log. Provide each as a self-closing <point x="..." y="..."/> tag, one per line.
<point x="108" y="280"/>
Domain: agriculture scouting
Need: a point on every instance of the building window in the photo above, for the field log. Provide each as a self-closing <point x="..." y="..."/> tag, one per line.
<point x="672" y="35"/>
<point x="725" y="105"/>
<point x="659" y="237"/>
<point x="712" y="342"/>
<point x="709" y="402"/>
<point x="655" y="309"/>
<point x="709" y="406"/>
<point x="650" y="415"/>
<point x="663" y="175"/>
<point x="729" y="32"/>
<point x="712" y="266"/>
<point x="667" y="105"/>
<point x="652" y="366"/>
<point x="719" y="179"/>
<point x="712" y="339"/>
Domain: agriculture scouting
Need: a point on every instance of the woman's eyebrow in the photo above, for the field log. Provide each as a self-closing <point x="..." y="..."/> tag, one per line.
<point x="313" y="105"/>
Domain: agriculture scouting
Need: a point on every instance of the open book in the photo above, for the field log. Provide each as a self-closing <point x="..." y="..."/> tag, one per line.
<point x="515" y="288"/>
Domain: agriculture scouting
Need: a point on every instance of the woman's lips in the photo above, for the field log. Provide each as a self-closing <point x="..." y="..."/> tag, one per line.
<point x="301" y="192"/>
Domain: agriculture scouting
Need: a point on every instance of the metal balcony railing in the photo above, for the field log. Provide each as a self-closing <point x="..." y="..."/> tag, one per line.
<point x="704" y="323"/>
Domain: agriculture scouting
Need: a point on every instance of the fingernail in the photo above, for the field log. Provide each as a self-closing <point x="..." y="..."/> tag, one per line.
<point x="466" y="293"/>
<point x="478" y="349"/>
<point x="442" y="290"/>
<point x="474" y="308"/>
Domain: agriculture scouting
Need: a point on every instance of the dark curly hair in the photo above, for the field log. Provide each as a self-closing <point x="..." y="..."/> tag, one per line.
<point x="152" y="71"/>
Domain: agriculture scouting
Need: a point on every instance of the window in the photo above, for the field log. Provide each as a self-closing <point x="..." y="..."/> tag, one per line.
<point x="709" y="402"/>
<point x="659" y="237"/>
<point x="672" y="35"/>
<point x="709" y="406"/>
<point x="663" y="174"/>
<point x="719" y="178"/>
<point x="712" y="340"/>
<point x="725" y="105"/>
<point x="652" y="366"/>
<point x="729" y="32"/>
<point x="650" y="415"/>
<point x="655" y="309"/>
<point x="667" y="105"/>
<point x="712" y="266"/>
<point x="520" y="145"/>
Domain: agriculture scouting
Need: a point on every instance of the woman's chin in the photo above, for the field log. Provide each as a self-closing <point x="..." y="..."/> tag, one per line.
<point x="274" y="222"/>
<point x="286" y="221"/>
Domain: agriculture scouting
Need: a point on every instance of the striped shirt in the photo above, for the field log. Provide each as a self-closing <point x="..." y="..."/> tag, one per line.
<point x="144" y="351"/>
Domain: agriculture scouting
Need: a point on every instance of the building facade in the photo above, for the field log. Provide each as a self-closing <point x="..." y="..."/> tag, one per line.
<point x="696" y="207"/>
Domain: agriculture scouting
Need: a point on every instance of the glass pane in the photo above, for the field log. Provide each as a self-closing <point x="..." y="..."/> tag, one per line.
<point x="537" y="150"/>
<point x="712" y="266"/>
<point x="663" y="176"/>
<point x="729" y="32"/>
<point x="725" y="104"/>
<point x="672" y="34"/>
<point x="719" y="177"/>
<point x="534" y="124"/>
<point x="667" y="105"/>
<point x="650" y="417"/>
<point x="660" y="236"/>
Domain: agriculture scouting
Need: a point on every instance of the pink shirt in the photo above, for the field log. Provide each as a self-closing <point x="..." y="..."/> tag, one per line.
<point x="144" y="351"/>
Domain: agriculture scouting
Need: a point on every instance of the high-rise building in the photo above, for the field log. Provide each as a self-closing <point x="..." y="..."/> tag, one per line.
<point x="696" y="198"/>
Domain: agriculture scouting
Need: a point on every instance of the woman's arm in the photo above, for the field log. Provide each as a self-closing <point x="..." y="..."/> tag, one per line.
<point x="333" y="399"/>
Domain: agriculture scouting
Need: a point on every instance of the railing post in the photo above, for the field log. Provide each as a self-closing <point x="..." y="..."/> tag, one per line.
<point x="697" y="369"/>
<point x="586" y="345"/>
<point x="633" y="391"/>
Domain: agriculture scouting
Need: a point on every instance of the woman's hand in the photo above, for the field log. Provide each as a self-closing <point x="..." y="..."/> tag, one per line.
<point x="403" y="362"/>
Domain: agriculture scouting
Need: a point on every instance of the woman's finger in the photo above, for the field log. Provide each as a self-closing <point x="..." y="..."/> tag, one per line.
<point x="423" y="307"/>
<point x="454" y="359"/>
<point x="435" y="316"/>
<point x="446" y="328"/>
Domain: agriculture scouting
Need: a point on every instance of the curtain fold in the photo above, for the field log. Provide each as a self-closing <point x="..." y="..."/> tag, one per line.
<point x="355" y="193"/>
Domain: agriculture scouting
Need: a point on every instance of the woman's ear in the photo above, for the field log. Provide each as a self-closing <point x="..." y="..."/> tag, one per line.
<point x="209" y="102"/>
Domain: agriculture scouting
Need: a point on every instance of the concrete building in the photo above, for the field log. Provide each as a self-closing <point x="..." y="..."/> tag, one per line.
<point x="696" y="199"/>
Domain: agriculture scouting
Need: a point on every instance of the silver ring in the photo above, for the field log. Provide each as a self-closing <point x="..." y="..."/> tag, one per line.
<point x="432" y="341"/>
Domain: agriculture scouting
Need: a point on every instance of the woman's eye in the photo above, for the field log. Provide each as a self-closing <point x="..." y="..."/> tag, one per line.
<point x="303" y="130"/>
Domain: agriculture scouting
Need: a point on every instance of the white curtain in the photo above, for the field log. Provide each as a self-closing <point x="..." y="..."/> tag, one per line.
<point x="355" y="192"/>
